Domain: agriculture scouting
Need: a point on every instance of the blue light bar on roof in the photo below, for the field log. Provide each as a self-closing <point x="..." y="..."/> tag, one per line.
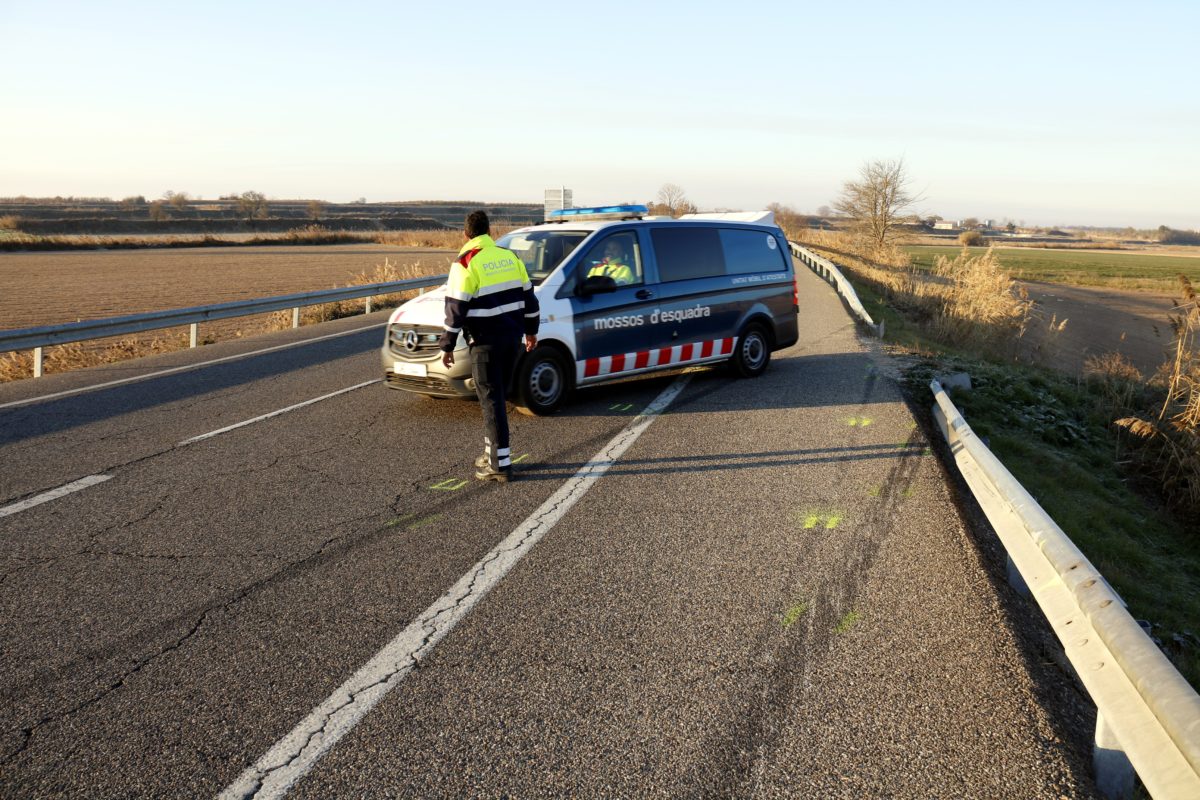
<point x="597" y="212"/>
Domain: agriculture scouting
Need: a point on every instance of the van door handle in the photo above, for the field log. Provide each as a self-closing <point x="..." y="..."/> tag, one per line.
<point x="644" y="294"/>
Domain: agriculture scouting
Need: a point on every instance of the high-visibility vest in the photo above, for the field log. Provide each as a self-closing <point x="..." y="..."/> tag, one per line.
<point x="620" y="273"/>
<point x="489" y="296"/>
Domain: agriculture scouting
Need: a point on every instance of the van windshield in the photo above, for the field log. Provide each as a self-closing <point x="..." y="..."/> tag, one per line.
<point x="542" y="251"/>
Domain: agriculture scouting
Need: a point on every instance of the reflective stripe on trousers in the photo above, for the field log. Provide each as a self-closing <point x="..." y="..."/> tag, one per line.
<point x="492" y="368"/>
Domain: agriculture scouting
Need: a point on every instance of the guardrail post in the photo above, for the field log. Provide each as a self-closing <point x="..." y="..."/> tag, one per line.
<point x="193" y="334"/>
<point x="37" y="362"/>
<point x="1115" y="776"/>
<point x="296" y="317"/>
<point x="367" y="305"/>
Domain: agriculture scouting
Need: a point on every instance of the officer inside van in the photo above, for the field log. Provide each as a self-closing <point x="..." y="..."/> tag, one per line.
<point x="615" y="263"/>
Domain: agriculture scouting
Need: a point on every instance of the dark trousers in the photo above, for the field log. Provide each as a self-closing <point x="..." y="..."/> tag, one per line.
<point x="492" y="368"/>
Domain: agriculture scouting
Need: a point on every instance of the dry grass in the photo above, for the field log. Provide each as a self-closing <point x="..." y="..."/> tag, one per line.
<point x="18" y="365"/>
<point x="982" y="304"/>
<point x="968" y="300"/>
<point x="1119" y="381"/>
<point x="383" y="273"/>
<point x="1171" y="432"/>
<point x="441" y="238"/>
<point x="312" y="234"/>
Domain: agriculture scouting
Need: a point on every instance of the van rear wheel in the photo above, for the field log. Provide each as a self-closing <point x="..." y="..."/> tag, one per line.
<point x="542" y="382"/>
<point x="753" y="351"/>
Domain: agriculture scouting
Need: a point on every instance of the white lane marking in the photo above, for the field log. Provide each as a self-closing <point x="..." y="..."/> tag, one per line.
<point x="261" y="417"/>
<point x="297" y="752"/>
<point x="53" y="494"/>
<point x="184" y="368"/>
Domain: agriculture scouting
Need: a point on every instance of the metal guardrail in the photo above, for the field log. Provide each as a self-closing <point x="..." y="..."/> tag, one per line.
<point x="1148" y="716"/>
<point x="47" y="335"/>
<point x="829" y="271"/>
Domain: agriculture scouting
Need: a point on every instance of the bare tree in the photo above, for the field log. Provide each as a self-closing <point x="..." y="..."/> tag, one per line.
<point x="824" y="211"/>
<point x="315" y="209"/>
<point x="158" y="211"/>
<point x="788" y="218"/>
<point x="178" y="200"/>
<point x="877" y="200"/>
<point x="252" y="205"/>
<point x="672" y="201"/>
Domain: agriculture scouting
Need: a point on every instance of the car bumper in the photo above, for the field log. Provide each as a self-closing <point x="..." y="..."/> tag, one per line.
<point x="437" y="380"/>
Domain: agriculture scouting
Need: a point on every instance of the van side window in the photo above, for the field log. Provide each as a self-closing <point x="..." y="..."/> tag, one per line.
<point x="687" y="252"/>
<point x="618" y="257"/>
<point x="751" y="251"/>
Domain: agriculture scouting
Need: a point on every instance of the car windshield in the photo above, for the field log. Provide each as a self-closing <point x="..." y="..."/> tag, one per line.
<point x="543" y="250"/>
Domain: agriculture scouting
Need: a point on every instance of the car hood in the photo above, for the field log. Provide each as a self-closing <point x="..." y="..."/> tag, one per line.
<point x="425" y="309"/>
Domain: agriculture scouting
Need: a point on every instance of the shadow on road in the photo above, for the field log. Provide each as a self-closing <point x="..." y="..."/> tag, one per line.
<point x="53" y="416"/>
<point x="726" y="461"/>
<point x="789" y="382"/>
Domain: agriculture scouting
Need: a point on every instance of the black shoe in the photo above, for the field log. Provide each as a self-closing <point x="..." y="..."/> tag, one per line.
<point x="488" y="473"/>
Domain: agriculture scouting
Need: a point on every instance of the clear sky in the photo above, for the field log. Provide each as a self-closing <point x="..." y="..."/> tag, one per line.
<point x="1050" y="112"/>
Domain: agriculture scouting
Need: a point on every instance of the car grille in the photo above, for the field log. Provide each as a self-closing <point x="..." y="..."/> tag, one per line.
<point x="427" y="338"/>
<point x="428" y="385"/>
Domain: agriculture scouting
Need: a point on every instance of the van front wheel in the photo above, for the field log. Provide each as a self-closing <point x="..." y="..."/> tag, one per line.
<point x="753" y="351"/>
<point x="542" y="382"/>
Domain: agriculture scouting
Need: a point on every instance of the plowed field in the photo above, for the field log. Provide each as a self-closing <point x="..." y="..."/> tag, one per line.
<point x="53" y="287"/>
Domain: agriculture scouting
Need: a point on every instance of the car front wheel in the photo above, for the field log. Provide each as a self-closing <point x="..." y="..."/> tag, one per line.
<point x="542" y="381"/>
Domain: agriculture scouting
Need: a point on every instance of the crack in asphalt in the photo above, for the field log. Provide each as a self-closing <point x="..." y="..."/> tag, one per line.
<point x="183" y="556"/>
<point x="434" y="623"/>
<point x="307" y="741"/>
<point x="28" y="731"/>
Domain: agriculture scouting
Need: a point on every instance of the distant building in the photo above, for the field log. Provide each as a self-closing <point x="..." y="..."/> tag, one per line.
<point x="945" y="225"/>
<point x="558" y="199"/>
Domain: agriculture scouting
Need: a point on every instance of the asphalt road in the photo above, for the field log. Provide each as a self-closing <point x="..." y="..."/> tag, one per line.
<point x="769" y="593"/>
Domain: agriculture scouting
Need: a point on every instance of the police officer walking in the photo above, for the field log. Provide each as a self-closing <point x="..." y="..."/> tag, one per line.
<point x="490" y="299"/>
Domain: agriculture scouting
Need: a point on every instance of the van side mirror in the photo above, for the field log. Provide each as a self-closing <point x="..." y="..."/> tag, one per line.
<point x="596" y="284"/>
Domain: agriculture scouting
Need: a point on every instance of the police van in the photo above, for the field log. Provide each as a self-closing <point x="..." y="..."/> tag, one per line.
<point x="621" y="294"/>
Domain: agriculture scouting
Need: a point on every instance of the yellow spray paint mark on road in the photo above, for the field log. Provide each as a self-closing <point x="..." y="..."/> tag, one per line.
<point x="620" y="406"/>
<point x="520" y="458"/>
<point x="875" y="491"/>
<point x="421" y="523"/>
<point x="907" y="491"/>
<point x="399" y="520"/>
<point x="847" y="622"/>
<point x="449" y="485"/>
<point x="794" y="613"/>
<point x="860" y="422"/>
<point x="814" y="519"/>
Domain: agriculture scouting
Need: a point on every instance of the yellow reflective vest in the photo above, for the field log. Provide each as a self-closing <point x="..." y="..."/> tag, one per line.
<point x="489" y="296"/>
